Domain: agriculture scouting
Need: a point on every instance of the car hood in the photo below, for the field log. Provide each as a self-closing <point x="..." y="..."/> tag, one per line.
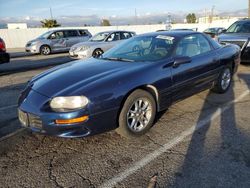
<point x="86" y="44"/>
<point x="65" y="79"/>
<point x="233" y="36"/>
<point x="36" y="40"/>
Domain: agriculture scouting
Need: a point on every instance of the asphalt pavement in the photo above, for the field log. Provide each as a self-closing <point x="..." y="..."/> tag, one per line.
<point x="25" y="63"/>
<point x="18" y="52"/>
<point x="202" y="141"/>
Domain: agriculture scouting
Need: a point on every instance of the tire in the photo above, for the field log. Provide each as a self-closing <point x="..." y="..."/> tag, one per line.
<point x="5" y="58"/>
<point x="97" y="53"/>
<point x="45" y="50"/>
<point x="136" y="122"/>
<point x="224" y="80"/>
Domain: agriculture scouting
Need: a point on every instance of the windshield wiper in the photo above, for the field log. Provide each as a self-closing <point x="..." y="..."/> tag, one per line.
<point x="118" y="59"/>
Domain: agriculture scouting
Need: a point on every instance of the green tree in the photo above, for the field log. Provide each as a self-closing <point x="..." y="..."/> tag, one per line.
<point x="49" y="23"/>
<point x="191" y="18"/>
<point x="105" y="22"/>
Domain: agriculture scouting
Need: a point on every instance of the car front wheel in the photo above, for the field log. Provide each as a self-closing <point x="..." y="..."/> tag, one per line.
<point x="97" y="53"/>
<point x="137" y="114"/>
<point x="224" y="80"/>
<point x="45" y="50"/>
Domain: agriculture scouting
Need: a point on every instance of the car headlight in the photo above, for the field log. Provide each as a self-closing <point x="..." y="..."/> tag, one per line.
<point x="68" y="103"/>
<point x="83" y="48"/>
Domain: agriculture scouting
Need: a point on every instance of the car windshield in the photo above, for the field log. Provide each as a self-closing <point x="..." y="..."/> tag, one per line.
<point x="143" y="48"/>
<point x="239" y="28"/>
<point x="99" y="37"/>
<point x="45" y="35"/>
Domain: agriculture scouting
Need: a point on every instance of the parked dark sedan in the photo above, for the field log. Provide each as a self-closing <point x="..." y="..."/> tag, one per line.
<point x="4" y="56"/>
<point x="238" y="33"/>
<point x="213" y="32"/>
<point x="127" y="85"/>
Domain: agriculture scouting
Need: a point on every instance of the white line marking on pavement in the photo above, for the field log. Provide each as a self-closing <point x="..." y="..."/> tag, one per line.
<point x="151" y="156"/>
<point x="7" y="107"/>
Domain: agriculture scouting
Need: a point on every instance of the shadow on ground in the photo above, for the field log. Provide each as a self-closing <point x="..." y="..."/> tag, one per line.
<point x="222" y="162"/>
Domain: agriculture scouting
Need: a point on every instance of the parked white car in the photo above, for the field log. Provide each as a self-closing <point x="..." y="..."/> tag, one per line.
<point x="98" y="44"/>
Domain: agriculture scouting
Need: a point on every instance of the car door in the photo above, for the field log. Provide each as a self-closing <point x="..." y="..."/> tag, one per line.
<point x="112" y="40"/>
<point x="72" y="37"/>
<point x="200" y="73"/>
<point x="57" y="41"/>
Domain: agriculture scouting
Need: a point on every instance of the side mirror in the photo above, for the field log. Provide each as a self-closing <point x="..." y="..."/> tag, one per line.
<point x="222" y="31"/>
<point x="181" y="60"/>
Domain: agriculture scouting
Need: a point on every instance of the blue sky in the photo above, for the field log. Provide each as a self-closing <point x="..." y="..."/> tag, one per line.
<point x="40" y="8"/>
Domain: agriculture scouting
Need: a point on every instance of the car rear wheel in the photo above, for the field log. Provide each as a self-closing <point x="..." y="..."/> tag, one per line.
<point x="45" y="50"/>
<point x="137" y="114"/>
<point x="97" y="53"/>
<point x="224" y="81"/>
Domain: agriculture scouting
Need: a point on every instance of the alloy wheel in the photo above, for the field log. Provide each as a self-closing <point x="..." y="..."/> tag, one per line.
<point x="139" y="114"/>
<point x="45" y="50"/>
<point x="226" y="79"/>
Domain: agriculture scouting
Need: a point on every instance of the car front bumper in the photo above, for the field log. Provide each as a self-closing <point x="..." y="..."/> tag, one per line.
<point x="33" y="116"/>
<point x="32" y="49"/>
<point x="80" y="54"/>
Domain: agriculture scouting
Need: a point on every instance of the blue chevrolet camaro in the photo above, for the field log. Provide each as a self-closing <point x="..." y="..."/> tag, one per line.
<point x="127" y="85"/>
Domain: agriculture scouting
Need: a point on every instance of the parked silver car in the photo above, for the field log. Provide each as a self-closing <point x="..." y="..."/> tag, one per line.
<point x="57" y="41"/>
<point x="98" y="44"/>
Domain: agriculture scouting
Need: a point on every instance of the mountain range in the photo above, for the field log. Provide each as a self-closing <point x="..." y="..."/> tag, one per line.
<point x="94" y="20"/>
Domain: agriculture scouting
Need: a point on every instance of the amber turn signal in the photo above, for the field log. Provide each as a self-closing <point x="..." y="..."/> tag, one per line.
<point x="70" y="121"/>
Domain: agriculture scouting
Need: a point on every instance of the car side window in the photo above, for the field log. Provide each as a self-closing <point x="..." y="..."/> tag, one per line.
<point x="193" y="45"/>
<point x="114" y="37"/>
<point x="71" y="33"/>
<point x="83" y="33"/>
<point x="56" y="35"/>
<point x="245" y="28"/>
<point x="125" y="35"/>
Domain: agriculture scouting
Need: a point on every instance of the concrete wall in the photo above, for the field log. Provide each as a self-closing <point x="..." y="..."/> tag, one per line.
<point x="17" y="38"/>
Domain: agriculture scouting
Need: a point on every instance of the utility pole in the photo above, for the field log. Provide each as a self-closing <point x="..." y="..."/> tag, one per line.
<point x="212" y="14"/>
<point x="51" y="15"/>
<point x="136" y="16"/>
<point x="248" y="8"/>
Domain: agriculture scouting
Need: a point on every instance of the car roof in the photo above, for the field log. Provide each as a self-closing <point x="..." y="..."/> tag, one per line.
<point x="215" y="27"/>
<point x="245" y="20"/>
<point x="112" y="31"/>
<point x="177" y="34"/>
<point x="64" y="29"/>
